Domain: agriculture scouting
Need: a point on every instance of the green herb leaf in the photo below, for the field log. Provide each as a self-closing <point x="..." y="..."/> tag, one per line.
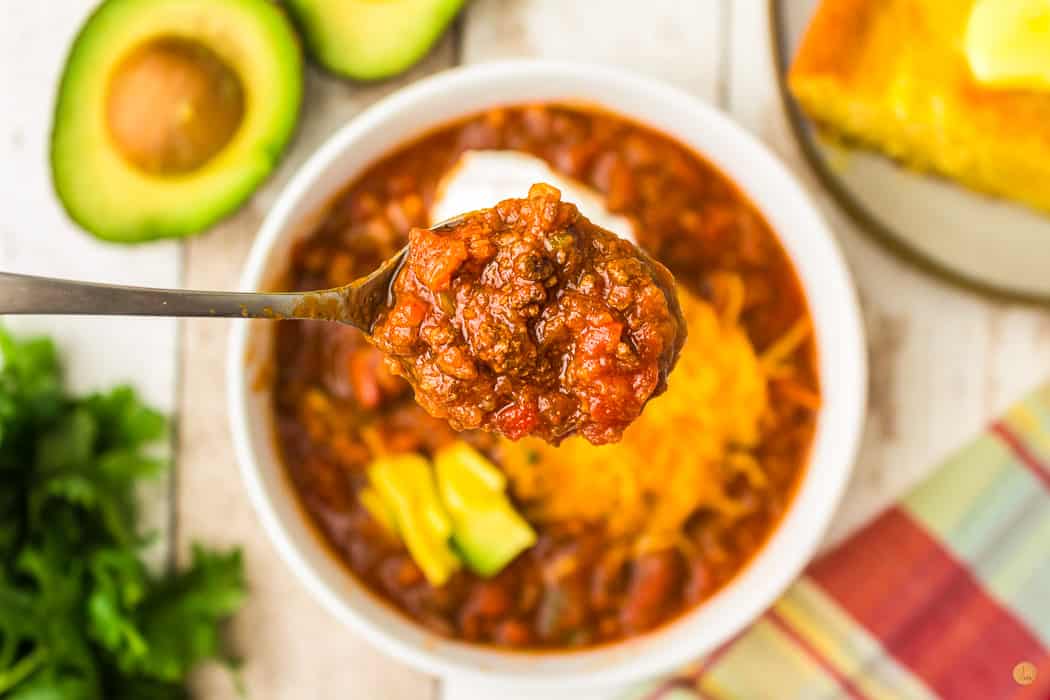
<point x="179" y="619"/>
<point x="124" y="419"/>
<point x="30" y="392"/>
<point x="120" y="687"/>
<point x="81" y="616"/>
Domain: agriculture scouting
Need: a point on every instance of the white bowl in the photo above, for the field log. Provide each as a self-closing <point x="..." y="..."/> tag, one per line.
<point x="843" y="373"/>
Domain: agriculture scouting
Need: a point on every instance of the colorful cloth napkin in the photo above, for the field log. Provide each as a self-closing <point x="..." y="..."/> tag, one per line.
<point x="946" y="595"/>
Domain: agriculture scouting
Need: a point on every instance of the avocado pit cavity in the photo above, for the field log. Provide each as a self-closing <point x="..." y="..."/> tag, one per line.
<point x="172" y="105"/>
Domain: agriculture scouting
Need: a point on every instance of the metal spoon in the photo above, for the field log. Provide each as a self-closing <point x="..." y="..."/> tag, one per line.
<point x="357" y="303"/>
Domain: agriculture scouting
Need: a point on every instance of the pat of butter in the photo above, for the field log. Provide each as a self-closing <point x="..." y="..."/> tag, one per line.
<point x="480" y="179"/>
<point x="1008" y="43"/>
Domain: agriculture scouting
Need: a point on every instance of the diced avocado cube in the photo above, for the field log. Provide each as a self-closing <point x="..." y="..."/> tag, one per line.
<point x="461" y="457"/>
<point x="405" y="484"/>
<point x="486" y="529"/>
<point x="418" y="472"/>
<point x="432" y="553"/>
<point x="490" y="539"/>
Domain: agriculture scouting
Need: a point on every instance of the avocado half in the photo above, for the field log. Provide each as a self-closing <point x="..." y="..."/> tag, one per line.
<point x="371" y="39"/>
<point x="170" y="113"/>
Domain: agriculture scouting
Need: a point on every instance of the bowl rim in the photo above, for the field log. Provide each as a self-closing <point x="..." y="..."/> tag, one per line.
<point x="808" y="527"/>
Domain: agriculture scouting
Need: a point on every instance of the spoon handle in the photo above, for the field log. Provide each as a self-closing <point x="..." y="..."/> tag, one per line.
<point x="25" y="294"/>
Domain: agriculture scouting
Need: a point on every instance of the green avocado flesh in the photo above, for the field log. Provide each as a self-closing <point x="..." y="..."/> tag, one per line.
<point x="491" y="538"/>
<point x="371" y="39"/>
<point x="486" y="529"/>
<point x="170" y="113"/>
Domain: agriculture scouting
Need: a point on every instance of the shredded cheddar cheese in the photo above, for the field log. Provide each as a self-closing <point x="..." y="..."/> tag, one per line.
<point x="683" y="451"/>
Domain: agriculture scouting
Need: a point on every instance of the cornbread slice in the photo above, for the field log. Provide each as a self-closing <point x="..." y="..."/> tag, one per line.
<point x="893" y="75"/>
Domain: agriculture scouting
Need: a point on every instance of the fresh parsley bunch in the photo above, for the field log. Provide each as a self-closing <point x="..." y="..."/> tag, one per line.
<point x="81" y="617"/>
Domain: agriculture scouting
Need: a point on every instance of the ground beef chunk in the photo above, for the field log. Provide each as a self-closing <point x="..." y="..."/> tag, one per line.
<point x="527" y="319"/>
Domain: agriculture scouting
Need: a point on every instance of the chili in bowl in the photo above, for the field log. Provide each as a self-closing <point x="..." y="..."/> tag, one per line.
<point x="466" y="553"/>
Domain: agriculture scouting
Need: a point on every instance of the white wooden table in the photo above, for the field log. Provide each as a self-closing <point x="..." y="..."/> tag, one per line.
<point x="943" y="361"/>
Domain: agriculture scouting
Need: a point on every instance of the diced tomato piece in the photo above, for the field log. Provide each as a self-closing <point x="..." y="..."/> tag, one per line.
<point x="436" y="258"/>
<point x="410" y="311"/>
<point x="601" y="340"/>
<point x="516" y="421"/>
<point x="612" y="401"/>
<point x="363" y="379"/>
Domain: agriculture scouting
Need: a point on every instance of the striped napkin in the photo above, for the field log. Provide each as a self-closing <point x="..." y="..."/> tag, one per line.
<point x="946" y="595"/>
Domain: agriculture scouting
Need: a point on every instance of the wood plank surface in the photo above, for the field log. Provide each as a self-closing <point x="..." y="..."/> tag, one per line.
<point x="679" y="42"/>
<point x="36" y="237"/>
<point x="293" y="649"/>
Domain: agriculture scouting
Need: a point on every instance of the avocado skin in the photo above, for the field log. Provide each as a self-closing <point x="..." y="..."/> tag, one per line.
<point x="140" y="222"/>
<point x="366" y="40"/>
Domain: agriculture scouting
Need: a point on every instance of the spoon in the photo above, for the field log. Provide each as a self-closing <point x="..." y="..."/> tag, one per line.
<point x="357" y="304"/>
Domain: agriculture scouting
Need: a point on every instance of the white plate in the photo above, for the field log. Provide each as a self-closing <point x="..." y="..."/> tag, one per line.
<point x="969" y="238"/>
